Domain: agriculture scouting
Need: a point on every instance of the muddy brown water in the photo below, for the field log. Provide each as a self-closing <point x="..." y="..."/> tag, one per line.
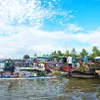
<point x="50" y="89"/>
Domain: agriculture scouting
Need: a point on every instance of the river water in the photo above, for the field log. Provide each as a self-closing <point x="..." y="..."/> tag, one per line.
<point x="50" y="89"/>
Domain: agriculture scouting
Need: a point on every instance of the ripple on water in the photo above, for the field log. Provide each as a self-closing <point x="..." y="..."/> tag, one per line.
<point x="42" y="89"/>
<point x="49" y="89"/>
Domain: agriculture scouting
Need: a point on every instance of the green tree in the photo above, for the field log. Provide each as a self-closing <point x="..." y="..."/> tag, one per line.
<point x="45" y="55"/>
<point x="54" y="53"/>
<point x="73" y="52"/>
<point x="95" y="52"/>
<point x="35" y="55"/>
<point x="26" y="57"/>
<point x="83" y="53"/>
<point x="67" y="53"/>
<point x="59" y="53"/>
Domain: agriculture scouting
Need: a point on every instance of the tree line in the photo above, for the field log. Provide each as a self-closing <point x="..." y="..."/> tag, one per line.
<point x="95" y="52"/>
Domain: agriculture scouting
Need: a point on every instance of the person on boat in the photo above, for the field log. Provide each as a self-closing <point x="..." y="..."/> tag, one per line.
<point x="69" y="61"/>
<point x="27" y="63"/>
<point x="46" y="64"/>
<point x="16" y="75"/>
<point x="77" y="64"/>
<point x="56" y="67"/>
<point x="86" y="59"/>
<point x="73" y="62"/>
<point x="7" y="64"/>
<point x="60" y="66"/>
<point x="35" y="63"/>
<point x="60" y="61"/>
<point x="86" y="67"/>
<point x="42" y="64"/>
<point x="11" y="69"/>
<point x="55" y="61"/>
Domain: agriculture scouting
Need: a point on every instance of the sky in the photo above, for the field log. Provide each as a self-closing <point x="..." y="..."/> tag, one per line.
<point x="43" y="26"/>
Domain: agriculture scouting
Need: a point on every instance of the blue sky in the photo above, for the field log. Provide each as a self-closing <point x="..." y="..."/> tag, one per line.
<point x="42" y="26"/>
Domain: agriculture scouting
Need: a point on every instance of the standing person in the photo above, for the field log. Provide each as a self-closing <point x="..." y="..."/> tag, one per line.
<point x="7" y="64"/>
<point x="55" y="60"/>
<point x="35" y="63"/>
<point x="69" y="61"/>
<point x="86" y="59"/>
<point x="27" y="63"/>
<point x="11" y="69"/>
<point x="73" y="62"/>
<point x="77" y="64"/>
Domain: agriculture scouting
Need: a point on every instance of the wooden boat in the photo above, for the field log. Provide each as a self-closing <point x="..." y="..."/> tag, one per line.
<point x="31" y="73"/>
<point x="85" y="75"/>
<point x="23" y="78"/>
<point x="34" y="71"/>
<point x="25" y="73"/>
<point x="30" y="68"/>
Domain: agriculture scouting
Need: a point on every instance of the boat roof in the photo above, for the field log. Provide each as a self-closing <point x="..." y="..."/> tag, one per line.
<point x="97" y="58"/>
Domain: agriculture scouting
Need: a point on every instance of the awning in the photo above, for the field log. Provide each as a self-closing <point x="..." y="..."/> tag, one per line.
<point x="97" y="58"/>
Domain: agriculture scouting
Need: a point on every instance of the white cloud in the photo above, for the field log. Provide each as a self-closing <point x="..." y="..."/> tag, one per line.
<point x="29" y="11"/>
<point x="32" y="40"/>
<point x="20" y="21"/>
<point x="28" y="39"/>
<point x="17" y="39"/>
<point x="19" y="11"/>
<point x="73" y="28"/>
<point x="92" y="37"/>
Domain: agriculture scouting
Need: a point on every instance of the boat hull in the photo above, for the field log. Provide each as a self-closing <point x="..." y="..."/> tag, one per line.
<point x="86" y="75"/>
<point x="23" y="78"/>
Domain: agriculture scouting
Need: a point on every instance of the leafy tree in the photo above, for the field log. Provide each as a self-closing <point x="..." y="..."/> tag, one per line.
<point x="67" y="53"/>
<point x="95" y="51"/>
<point x="54" y="53"/>
<point x="83" y="53"/>
<point x="59" y="53"/>
<point x="45" y="55"/>
<point x="26" y="57"/>
<point x="73" y="52"/>
<point x="35" y="55"/>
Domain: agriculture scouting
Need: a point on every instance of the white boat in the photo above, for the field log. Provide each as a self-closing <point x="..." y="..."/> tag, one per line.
<point x="30" y="68"/>
<point x="23" y="78"/>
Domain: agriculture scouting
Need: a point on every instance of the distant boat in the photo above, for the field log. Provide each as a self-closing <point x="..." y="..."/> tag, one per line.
<point x="29" y="77"/>
<point x="30" y="68"/>
<point x="97" y="58"/>
<point x="85" y="75"/>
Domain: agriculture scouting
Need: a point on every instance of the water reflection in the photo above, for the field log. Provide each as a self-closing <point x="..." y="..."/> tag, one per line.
<point x="41" y="89"/>
<point x="50" y="89"/>
<point x="83" y="89"/>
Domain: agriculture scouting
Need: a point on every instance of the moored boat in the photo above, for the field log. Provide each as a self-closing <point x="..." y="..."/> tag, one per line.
<point x="27" y="77"/>
<point x="86" y="75"/>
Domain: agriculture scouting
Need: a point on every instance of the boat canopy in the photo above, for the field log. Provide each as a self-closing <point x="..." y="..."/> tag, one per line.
<point x="42" y="58"/>
<point x="97" y="58"/>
